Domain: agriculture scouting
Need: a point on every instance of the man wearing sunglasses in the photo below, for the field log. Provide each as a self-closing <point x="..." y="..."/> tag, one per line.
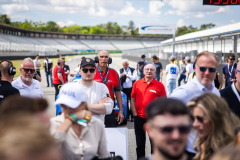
<point x="229" y="70"/>
<point x="26" y="85"/>
<point x="205" y="71"/>
<point x="232" y="93"/>
<point x="168" y="126"/>
<point x="98" y="98"/>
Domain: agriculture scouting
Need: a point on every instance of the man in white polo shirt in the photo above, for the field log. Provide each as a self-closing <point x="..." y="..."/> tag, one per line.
<point x="172" y="71"/>
<point x="25" y="83"/>
<point x="98" y="97"/>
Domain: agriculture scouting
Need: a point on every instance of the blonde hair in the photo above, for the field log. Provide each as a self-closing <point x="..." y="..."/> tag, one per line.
<point x="207" y="54"/>
<point x="223" y="123"/>
<point x="23" y="135"/>
<point x="228" y="153"/>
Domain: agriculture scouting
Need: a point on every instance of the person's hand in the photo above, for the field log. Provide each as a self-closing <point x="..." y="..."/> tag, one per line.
<point x="122" y="74"/>
<point x="127" y="76"/>
<point x="160" y="80"/>
<point x="233" y="80"/>
<point x="104" y="100"/>
<point x="120" y="117"/>
<point x="82" y="114"/>
<point x="135" y="114"/>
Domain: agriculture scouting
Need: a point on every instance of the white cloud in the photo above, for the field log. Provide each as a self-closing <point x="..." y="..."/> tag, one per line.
<point x="154" y="7"/>
<point x="101" y="13"/>
<point x="180" y="23"/>
<point x="130" y="10"/>
<point x="69" y="23"/>
<point x="194" y="9"/>
<point x="14" y="8"/>
<point x="233" y="21"/>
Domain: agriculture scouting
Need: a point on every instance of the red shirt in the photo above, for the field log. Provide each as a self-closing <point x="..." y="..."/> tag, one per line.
<point x="145" y="93"/>
<point x="113" y="80"/>
<point x="57" y="69"/>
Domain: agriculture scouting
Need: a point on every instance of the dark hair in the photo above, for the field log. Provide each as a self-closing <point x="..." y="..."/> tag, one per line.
<point x="183" y="57"/>
<point x="165" y="105"/>
<point x="83" y="58"/>
<point x="16" y="104"/>
<point x="231" y="55"/>
<point x="37" y="55"/>
<point x="154" y="57"/>
<point x="143" y="56"/>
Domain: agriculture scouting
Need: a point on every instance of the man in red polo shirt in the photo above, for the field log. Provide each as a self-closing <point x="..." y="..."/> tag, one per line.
<point x="110" y="78"/>
<point x="144" y="91"/>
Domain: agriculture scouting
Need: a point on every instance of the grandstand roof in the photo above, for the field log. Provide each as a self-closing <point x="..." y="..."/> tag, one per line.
<point x="226" y="30"/>
<point x="11" y="28"/>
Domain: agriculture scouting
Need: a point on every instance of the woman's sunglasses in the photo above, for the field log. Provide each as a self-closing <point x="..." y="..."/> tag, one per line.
<point x="85" y="70"/>
<point x="200" y="119"/>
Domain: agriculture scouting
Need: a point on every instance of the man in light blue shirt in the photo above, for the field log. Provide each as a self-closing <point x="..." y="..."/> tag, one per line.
<point x="206" y="68"/>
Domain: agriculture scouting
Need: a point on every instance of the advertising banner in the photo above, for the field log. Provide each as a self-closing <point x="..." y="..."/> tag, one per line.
<point x="156" y="28"/>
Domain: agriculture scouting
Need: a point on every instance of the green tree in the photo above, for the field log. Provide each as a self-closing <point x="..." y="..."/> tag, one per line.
<point x="131" y="27"/>
<point x="5" y="19"/>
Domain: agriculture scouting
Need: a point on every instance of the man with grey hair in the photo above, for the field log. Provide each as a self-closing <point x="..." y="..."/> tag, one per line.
<point x="110" y="78"/>
<point x="127" y="76"/>
<point x="26" y="85"/>
<point x="144" y="91"/>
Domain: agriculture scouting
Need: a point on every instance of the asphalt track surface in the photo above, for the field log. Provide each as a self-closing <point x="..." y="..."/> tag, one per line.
<point x="49" y="93"/>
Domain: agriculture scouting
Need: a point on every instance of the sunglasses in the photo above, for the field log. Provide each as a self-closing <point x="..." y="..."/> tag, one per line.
<point x="27" y="70"/>
<point x="233" y="59"/>
<point x="211" y="69"/>
<point x="85" y="70"/>
<point x="200" y="119"/>
<point x="183" y="129"/>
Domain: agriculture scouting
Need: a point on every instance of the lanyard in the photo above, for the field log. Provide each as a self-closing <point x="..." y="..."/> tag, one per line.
<point x="105" y="81"/>
<point x="235" y="91"/>
<point x="230" y="73"/>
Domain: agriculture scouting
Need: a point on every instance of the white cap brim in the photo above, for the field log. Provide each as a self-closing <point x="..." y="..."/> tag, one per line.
<point x="68" y="102"/>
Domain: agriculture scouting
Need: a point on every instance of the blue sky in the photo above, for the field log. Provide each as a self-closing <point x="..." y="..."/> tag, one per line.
<point x="93" y="12"/>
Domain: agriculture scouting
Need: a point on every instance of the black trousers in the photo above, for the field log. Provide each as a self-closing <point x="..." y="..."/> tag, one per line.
<point x="140" y="136"/>
<point x="128" y="92"/>
<point x="38" y="72"/>
<point x="110" y="120"/>
<point x="57" y="88"/>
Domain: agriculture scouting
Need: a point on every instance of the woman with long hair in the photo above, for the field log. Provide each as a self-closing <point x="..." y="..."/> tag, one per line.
<point x="214" y="122"/>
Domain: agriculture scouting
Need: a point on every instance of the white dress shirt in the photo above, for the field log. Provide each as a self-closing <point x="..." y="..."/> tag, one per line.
<point x="32" y="91"/>
<point x="132" y="77"/>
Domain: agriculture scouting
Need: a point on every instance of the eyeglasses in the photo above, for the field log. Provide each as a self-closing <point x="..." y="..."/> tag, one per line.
<point x="200" y="119"/>
<point x="211" y="69"/>
<point x="183" y="129"/>
<point x="27" y="70"/>
<point x="147" y="69"/>
<point x="85" y="70"/>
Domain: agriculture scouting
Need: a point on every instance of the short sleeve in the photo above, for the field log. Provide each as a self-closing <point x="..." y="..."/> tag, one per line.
<point x="163" y="91"/>
<point x="59" y="70"/>
<point x="160" y="64"/>
<point x="67" y="67"/>
<point x="167" y="68"/>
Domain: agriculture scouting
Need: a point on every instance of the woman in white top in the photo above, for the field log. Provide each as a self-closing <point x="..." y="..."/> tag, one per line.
<point x="80" y="135"/>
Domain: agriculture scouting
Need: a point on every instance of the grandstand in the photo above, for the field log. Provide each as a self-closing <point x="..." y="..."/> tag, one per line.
<point x="21" y="42"/>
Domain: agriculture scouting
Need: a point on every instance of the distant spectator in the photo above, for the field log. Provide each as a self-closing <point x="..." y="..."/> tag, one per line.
<point x="140" y="66"/>
<point x="172" y="71"/>
<point x="229" y="70"/>
<point x="26" y="85"/>
<point x="182" y="71"/>
<point x="158" y="66"/>
<point x="65" y="68"/>
<point x="59" y="77"/>
<point x="189" y="67"/>
<point x="7" y="72"/>
<point x="37" y="65"/>
<point x="48" y="65"/>
<point x="23" y="137"/>
<point x="218" y="81"/>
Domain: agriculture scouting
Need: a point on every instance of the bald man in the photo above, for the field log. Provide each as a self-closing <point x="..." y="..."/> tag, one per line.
<point x="144" y="91"/>
<point x="7" y="74"/>
<point x="110" y="78"/>
<point x="232" y="93"/>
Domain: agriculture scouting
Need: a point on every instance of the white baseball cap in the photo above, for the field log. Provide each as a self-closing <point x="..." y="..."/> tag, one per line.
<point x="71" y="95"/>
<point x="187" y="58"/>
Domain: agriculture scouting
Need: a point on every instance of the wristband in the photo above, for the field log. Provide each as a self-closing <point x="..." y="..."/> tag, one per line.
<point x="74" y="117"/>
<point x="120" y="111"/>
<point x="82" y="120"/>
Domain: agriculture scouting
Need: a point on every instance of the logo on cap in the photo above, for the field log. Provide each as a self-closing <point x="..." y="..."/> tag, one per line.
<point x="88" y="60"/>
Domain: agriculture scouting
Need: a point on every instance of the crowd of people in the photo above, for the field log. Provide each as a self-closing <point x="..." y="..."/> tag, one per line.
<point x="198" y="120"/>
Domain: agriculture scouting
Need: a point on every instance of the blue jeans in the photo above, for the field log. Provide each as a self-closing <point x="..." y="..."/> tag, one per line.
<point x="140" y="75"/>
<point x="49" y="73"/>
<point x="171" y="85"/>
<point x="182" y="77"/>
